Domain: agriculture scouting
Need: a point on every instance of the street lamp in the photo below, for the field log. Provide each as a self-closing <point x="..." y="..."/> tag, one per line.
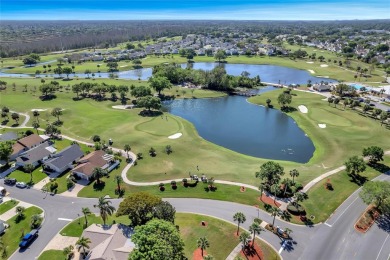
<point x="78" y="217"/>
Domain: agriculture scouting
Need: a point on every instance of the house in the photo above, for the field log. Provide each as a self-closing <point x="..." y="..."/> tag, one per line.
<point x="25" y="144"/>
<point x="64" y="160"/>
<point x="9" y="136"/>
<point x="322" y="87"/>
<point x="36" y="155"/>
<point x="96" y="159"/>
<point x="109" y="242"/>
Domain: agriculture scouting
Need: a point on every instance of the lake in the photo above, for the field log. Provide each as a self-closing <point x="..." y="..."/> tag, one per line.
<point x="238" y="125"/>
<point x="267" y="73"/>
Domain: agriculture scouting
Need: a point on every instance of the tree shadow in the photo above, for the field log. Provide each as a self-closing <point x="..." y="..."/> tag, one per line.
<point x="15" y="125"/>
<point x="358" y="179"/>
<point x="383" y="222"/>
<point x="48" y="97"/>
<point x="251" y="252"/>
<point x="4" y="122"/>
<point x="150" y="113"/>
<point x="288" y="109"/>
<point x="289" y="246"/>
<point x="99" y="186"/>
<point x="380" y="167"/>
<point x="78" y="98"/>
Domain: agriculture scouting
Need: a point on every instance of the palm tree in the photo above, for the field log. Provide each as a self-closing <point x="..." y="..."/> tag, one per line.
<point x="35" y="125"/>
<point x="255" y="229"/>
<point x="29" y="168"/>
<point x="105" y="208"/>
<point x="244" y="238"/>
<point x="36" y="115"/>
<point x="98" y="173"/>
<point x="86" y="211"/>
<point x="240" y="218"/>
<point x="19" y="213"/>
<point x="118" y="179"/>
<point x="294" y="173"/>
<point x="83" y="243"/>
<point x="127" y="149"/>
<point x="288" y="231"/>
<point x="35" y="220"/>
<point x="3" y="249"/>
<point x="68" y="251"/>
<point x="274" y="212"/>
<point x="203" y="243"/>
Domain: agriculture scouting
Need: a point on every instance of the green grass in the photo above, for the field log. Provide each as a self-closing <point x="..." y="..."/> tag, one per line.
<point x="267" y="252"/>
<point x="61" y="181"/>
<point x="13" y="234"/>
<point x="52" y="255"/>
<point x="220" y="234"/>
<point x="322" y="202"/>
<point x="76" y="227"/>
<point x="21" y="176"/>
<point x="346" y="133"/>
<point x="4" y="207"/>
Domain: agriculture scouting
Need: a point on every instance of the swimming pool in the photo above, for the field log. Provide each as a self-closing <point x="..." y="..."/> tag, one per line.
<point x="358" y="86"/>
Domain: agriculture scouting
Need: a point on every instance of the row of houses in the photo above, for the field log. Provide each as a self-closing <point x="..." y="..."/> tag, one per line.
<point x="39" y="150"/>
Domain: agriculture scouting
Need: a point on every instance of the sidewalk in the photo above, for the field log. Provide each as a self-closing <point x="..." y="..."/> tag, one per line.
<point x="11" y="213"/>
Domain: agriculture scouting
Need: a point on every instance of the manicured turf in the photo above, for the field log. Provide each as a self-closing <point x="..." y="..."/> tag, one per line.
<point x="346" y="133"/>
<point x="323" y="202"/>
<point x="220" y="234"/>
<point x="13" y="234"/>
<point x="5" y="206"/>
<point x="223" y="192"/>
<point x="61" y="181"/>
<point x="52" y="255"/>
<point x="75" y="228"/>
<point x="21" y="176"/>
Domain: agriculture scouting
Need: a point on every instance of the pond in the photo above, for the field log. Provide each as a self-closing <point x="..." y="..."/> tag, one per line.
<point x="236" y="124"/>
<point x="267" y="73"/>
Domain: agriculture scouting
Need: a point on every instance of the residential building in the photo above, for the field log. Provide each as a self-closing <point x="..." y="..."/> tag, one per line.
<point x="64" y="160"/>
<point x="24" y="144"/>
<point x="96" y="159"/>
<point x="109" y="242"/>
<point x="36" y="155"/>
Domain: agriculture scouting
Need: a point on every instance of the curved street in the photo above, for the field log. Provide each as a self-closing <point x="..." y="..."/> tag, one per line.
<point x="335" y="239"/>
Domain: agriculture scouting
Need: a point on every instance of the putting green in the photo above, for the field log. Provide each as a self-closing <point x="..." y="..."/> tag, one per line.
<point x="322" y="116"/>
<point x="164" y="125"/>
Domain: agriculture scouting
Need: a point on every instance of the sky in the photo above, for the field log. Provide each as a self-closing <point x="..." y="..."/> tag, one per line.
<point x="194" y="9"/>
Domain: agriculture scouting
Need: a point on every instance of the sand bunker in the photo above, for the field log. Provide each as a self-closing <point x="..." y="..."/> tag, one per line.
<point x="123" y="66"/>
<point x="310" y="62"/>
<point x="38" y="109"/>
<point x="324" y="65"/>
<point x="123" y="107"/>
<point x="311" y="71"/>
<point x="175" y="136"/>
<point x="303" y="109"/>
<point x="322" y="125"/>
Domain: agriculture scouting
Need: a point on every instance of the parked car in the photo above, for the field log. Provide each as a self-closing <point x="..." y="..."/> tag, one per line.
<point x="21" y="185"/>
<point x="28" y="238"/>
<point x="10" y="181"/>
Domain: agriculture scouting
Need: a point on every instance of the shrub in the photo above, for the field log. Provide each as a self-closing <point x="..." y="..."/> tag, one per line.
<point x="161" y="184"/>
<point x="296" y="209"/>
<point x="258" y="221"/>
<point x="173" y="183"/>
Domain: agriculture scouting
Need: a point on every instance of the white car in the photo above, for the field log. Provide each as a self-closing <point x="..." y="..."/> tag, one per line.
<point x="21" y="185"/>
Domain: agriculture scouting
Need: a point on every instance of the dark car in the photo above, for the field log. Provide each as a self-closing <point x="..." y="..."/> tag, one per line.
<point x="10" y="181"/>
<point x="28" y="238"/>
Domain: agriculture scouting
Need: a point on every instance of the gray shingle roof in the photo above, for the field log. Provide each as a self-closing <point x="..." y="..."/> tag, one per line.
<point x="35" y="154"/>
<point x="66" y="156"/>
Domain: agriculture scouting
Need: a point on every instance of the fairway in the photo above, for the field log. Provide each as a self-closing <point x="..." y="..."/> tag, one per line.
<point x="161" y="126"/>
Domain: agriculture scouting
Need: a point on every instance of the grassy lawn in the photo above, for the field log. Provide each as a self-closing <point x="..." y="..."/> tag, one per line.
<point x="13" y="234"/>
<point x="61" y="181"/>
<point x="21" y="176"/>
<point x="4" y="207"/>
<point x="216" y="231"/>
<point x="75" y="228"/>
<point x="52" y="255"/>
<point x="346" y="132"/>
<point x="323" y="202"/>
<point x="223" y="192"/>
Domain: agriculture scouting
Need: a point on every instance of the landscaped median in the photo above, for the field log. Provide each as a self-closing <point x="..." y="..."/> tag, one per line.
<point x="17" y="229"/>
